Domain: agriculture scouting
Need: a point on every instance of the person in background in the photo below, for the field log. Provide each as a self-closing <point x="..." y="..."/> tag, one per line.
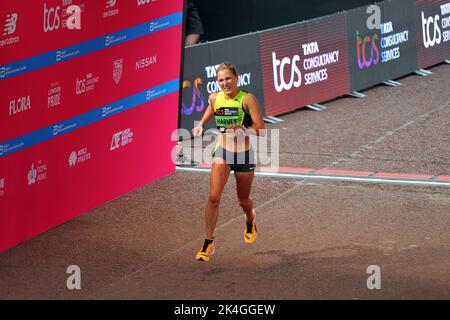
<point x="194" y="27"/>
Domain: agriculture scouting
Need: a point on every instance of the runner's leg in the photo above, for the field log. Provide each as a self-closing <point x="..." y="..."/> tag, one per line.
<point x="244" y="181"/>
<point x="220" y="172"/>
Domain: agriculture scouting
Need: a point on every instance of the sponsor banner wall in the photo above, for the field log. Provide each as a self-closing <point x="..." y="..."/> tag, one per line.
<point x="64" y="90"/>
<point x="30" y="28"/>
<point x="245" y="54"/>
<point x="304" y="63"/>
<point x="200" y="77"/>
<point x="432" y="20"/>
<point x="81" y="131"/>
<point x="57" y="180"/>
<point x="379" y="54"/>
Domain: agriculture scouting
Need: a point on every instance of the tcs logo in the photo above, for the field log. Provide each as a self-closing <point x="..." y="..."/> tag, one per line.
<point x="52" y="20"/>
<point x="295" y="78"/>
<point x="362" y="47"/>
<point x="431" y="24"/>
<point x="196" y="95"/>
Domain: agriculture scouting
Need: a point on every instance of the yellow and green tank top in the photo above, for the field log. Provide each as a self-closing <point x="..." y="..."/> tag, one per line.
<point x="231" y="111"/>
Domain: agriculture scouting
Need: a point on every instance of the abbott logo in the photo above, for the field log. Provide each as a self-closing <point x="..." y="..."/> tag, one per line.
<point x="52" y="20"/>
<point x="10" y="24"/>
<point x="426" y="25"/>
<point x="74" y="19"/>
<point x="278" y="73"/>
<point x="153" y="26"/>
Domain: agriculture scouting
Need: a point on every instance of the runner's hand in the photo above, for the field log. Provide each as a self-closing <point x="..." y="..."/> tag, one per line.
<point x="197" y="131"/>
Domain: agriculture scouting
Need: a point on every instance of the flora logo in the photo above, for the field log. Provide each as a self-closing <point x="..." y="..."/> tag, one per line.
<point x="20" y="105"/>
<point x="427" y="24"/>
<point x="295" y="78"/>
<point x="10" y="24"/>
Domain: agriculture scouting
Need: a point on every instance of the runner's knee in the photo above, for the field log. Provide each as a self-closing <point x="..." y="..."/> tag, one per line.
<point x="214" y="199"/>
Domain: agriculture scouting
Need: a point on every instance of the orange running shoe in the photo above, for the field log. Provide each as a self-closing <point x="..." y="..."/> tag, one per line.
<point x="250" y="231"/>
<point x="206" y="250"/>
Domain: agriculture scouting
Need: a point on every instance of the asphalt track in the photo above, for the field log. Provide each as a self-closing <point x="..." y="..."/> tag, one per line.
<point x="317" y="237"/>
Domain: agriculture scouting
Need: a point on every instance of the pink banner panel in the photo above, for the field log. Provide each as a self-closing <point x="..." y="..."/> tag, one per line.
<point x="52" y="182"/>
<point x="61" y="91"/>
<point x="35" y="27"/>
<point x="86" y="114"/>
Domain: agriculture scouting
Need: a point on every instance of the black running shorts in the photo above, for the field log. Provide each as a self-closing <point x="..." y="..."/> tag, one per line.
<point x="238" y="161"/>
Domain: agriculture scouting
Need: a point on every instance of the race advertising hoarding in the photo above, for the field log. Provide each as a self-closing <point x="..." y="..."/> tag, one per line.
<point x="200" y="76"/>
<point x="84" y="121"/>
<point x="304" y="63"/>
<point x="195" y="94"/>
<point x="60" y="23"/>
<point x="433" y="31"/>
<point x="381" y="48"/>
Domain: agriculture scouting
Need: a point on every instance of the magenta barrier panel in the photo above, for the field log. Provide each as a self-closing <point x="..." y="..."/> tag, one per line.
<point x="87" y="113"/>
<point x="35" y="27"/>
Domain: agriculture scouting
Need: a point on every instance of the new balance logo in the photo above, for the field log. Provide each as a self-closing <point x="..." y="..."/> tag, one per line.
<point x="10" y="24"/>
<point x="143" y="2"/>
